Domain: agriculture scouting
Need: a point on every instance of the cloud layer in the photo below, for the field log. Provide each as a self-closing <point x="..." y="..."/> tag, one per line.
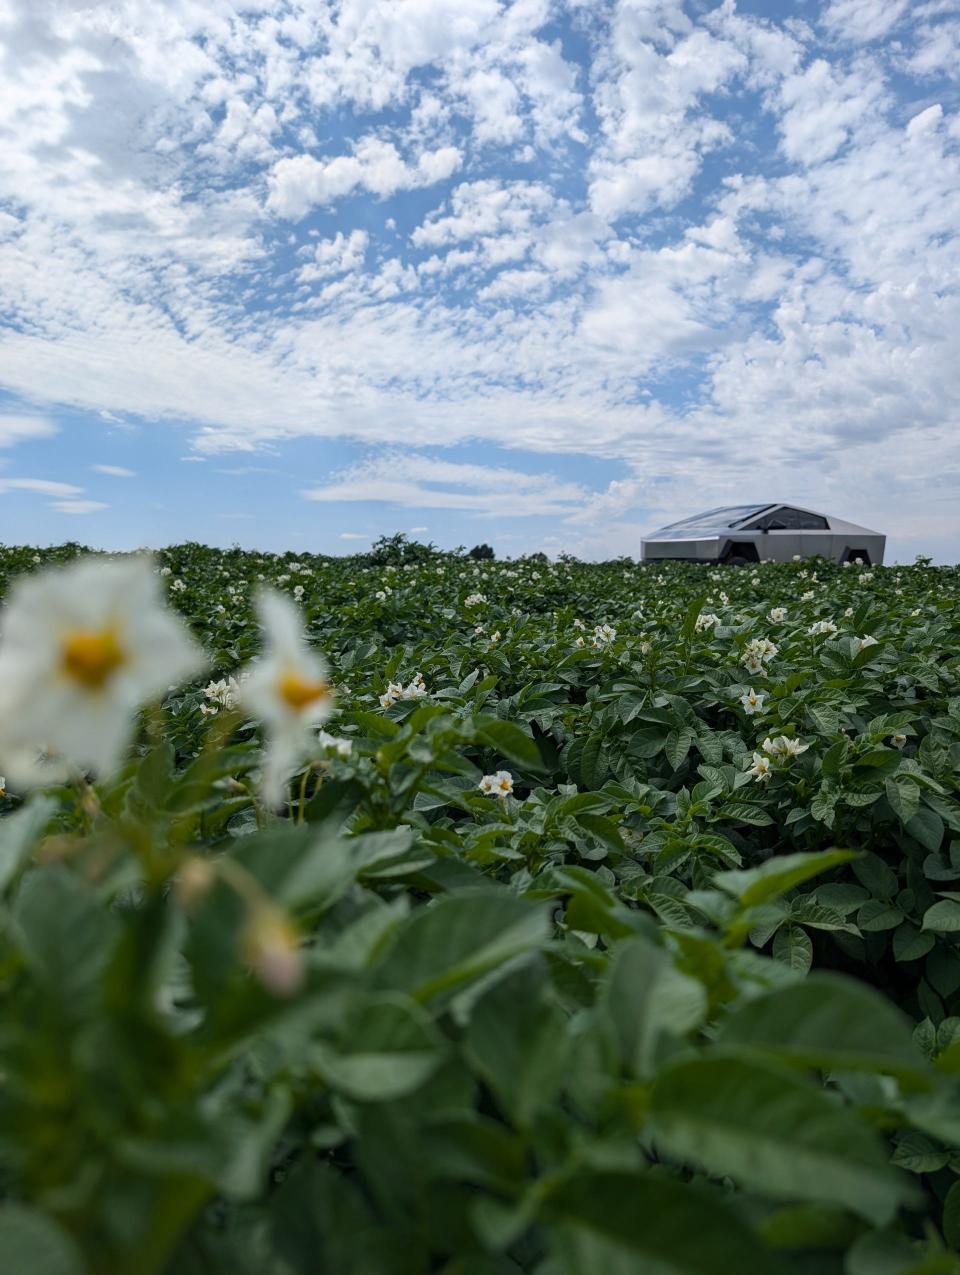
<point x="717" y="249"/>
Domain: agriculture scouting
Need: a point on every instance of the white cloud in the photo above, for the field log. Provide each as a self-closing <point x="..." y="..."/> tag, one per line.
<point x="301" y="183"/>
<point x="863" y="20"/>
<point x="339" y="255"/>
<point x="412" y="481"/>
<point x="114" y="471"/>
<point x="15" y="429"/>
<point x="78" y="506"/>
<point x="41" y="486"/>
<point x="641" y="281"/>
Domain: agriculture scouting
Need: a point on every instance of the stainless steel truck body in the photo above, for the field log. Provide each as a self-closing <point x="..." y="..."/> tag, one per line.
<point x="740" y="534"/>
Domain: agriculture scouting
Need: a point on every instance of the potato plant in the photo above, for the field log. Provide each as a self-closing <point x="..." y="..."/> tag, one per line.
<point x="607" y="923"/>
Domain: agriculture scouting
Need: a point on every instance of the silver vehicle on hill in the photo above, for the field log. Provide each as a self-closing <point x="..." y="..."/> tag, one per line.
<point x="740" y="534"/>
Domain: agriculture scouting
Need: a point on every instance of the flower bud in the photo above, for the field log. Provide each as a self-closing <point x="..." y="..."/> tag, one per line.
<point x="271" y="947"/>
<point x="193" y="882"/>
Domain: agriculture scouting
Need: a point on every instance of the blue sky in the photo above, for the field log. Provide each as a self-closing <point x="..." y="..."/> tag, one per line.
<point x="546" y="274"/>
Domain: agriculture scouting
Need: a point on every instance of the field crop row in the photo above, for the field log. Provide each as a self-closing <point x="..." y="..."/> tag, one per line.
<point x="405" y="913"/>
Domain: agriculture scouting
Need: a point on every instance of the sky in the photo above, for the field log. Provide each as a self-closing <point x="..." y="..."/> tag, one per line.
<point x="543" y="274"/>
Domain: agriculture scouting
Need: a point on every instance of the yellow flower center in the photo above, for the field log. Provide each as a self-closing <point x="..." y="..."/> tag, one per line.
<point x="91" y="656"/>
<point x="298" y="692"/>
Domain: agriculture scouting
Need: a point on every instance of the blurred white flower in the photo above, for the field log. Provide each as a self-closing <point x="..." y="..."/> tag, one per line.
<point x="705" y="619"/>
<point x="166" y="571"/>
<point x="808" y="596"/>
<point x="298" y="592"/>
<point x="474" y="600"/>
<point x="271" y="947"/>
<point x="777" y="614"/>
<point x="498" y="785"/>
<point x="178" y="586"/>
<point x="783" y="746"/>
<point x="898" y="740"/>
<point x="603" y="635"/>
<point x="331" y="743"/>
<point x="822" y="627"/>
<point x="83" y="647"/>
<point x="859" y="644"/>
<point x="415" y="689"/>
<point x="288" y="688"/>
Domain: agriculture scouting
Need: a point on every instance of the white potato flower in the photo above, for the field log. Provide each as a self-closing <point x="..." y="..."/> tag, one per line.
<point x="223" y="693"/>
<point x="603" y="635"/>
<point x="760" y="768"/>
<point x="777" y="615"/>
<point x="288" y="688"/>
<point x="390" y="696"/>
<point x="859" y="644"/>
<point x="752" y="701"/>
<point x="474" y="600"/>
<point x="756" y="653"/>
<point x="783" y="746"/>
<point x="705" y="620"/>
<point x="416" y="688"/>
<point x="333" y="744"/>
<point x="498" y="785"/>
<point x="822" y="627"/>
<point x="898" y="740"/>
<point x="83" y="647"/>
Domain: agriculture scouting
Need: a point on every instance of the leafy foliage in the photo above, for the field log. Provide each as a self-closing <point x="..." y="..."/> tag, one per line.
<point x="652" y="1004"/>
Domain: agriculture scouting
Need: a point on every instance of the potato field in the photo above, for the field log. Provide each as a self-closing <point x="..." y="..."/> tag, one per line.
<point x="405" y="913"/>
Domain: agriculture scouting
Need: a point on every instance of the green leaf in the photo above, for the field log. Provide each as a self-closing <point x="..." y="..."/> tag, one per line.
<point x="778" y="875"/>
<point x="828" y="1021"/>
<point x="878" y="915"/>
<point x="793" y="947"/>
<point x="647" y="998"/>
<point x="517" y="1041"/>
<point x="391" y="1048"/>
<point x="66" y="936"/>
<point x="33" y="1244"/>
<point x="678" y="744"/>
<point x="926" y="826"/>
<point x="604" y="829"/>
<point x="774" y="1132"/>
<point x="689" y="626"/>
<point x="919" y="1154"/>
<point x="951" y="1216"/>
<point x="909" y="943"/>
<point x="18" y="835"/>
<point x="904" y="797"/>
<point x="458" y="939"/>
<point x="942" y="917"/>
<point x="621" y="1223"/>
<point x="511" y="742"/>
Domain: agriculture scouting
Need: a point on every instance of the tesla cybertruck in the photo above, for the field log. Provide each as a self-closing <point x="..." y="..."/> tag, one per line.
<point x="741" y="534"/>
